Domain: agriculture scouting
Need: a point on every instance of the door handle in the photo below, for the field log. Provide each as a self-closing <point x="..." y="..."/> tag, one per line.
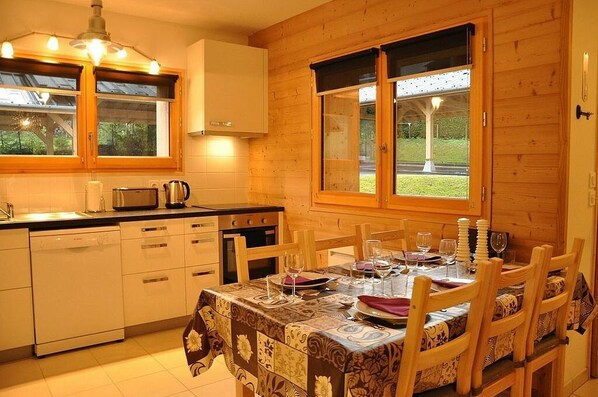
<point x="159" y="245"/>
<point x="155" y="279"/>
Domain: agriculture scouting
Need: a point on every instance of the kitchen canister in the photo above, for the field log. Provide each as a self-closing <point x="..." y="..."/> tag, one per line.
<point x="94" y="200"/>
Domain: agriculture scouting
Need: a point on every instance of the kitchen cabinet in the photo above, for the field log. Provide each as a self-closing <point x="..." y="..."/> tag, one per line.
<point x="202" y="257"/>
<point x="227" y="89"/>
<point x="153" y="270"/>
<point x="16" y="307"/>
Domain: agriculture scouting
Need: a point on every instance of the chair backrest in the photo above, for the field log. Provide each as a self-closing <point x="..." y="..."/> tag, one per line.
<point x="312" y="246"/>
<point x="518" y="322"/>
<point x="568" y="266"/>
<point x="397" y="236"/>
<point x="463" y="346"/>
<point x="243" y="254"/>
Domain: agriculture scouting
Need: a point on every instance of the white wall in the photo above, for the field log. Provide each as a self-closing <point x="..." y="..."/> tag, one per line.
<point x="582" y="162"/>
<point x="215" y="167"/>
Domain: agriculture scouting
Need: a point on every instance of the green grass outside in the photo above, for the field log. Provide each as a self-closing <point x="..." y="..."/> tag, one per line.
<point x="422" y="185"/>
<point x="446" y="151"/>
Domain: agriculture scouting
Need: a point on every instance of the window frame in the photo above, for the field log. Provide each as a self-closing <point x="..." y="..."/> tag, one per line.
<point x="86" y="158"/>
<point x="384" y="198"/>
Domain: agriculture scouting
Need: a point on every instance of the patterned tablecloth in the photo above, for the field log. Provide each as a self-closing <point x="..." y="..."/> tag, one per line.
<point x="310" y="348"/>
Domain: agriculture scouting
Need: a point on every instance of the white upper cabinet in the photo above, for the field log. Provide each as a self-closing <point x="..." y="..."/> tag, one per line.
<point x="227" y="89"/>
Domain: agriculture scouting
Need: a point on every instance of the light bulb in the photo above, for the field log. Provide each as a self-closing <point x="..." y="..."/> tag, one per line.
<point x="436" y="101"/>
<point x="7" y="50"/>
<point x="52" y="43"/>
<point x="121" y="54"/>
<point x="44" y="96"/>
<point x="96" y="50"/>
<point x="154" y="67"/>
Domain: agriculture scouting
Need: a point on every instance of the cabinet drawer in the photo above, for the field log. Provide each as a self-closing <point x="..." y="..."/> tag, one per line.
<point x="154" y="228"/>
<point x="151" y="254"/>
<point x="16" y="317"/>
<point x="15" y="268"/>
<point x="154" y="296"/>
<point x="201" y="224"/>
<point x="15" y="238"/>
<point x="201" y="248"/>
<point x="198" y="278"/>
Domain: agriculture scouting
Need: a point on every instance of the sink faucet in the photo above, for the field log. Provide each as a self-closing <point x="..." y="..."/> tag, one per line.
<point x="10" y="210"/>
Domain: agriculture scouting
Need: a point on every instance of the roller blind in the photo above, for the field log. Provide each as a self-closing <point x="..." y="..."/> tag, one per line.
<point x="346" y="71"/>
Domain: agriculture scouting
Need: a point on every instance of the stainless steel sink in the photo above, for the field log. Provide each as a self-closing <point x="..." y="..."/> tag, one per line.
<point x="48" y="216"/>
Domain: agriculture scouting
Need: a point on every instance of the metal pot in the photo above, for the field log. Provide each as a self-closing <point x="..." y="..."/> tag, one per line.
<point x="176" y="193"/>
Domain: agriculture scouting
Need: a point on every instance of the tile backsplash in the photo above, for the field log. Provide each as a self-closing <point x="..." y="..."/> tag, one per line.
<point x="216" y="168"/>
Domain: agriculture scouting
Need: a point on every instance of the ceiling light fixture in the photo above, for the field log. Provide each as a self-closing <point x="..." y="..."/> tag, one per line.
<point x="96" y="40"/>
<point x="52" y="43"/>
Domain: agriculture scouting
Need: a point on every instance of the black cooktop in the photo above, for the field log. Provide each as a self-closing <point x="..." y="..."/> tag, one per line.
<point x="237" y="206"/>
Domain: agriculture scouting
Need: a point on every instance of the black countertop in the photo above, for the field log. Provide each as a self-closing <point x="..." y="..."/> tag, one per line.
<point x="114" y="217"/>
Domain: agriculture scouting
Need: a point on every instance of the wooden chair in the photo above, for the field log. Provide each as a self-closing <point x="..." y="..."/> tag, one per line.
<point x="549" y="353"/>
<point x="463" y="346"/>
<point x="312" y="246"/>
<point x="243" y="254"/>
<point x="508" y="371"/>
<point x="398" y="236"/>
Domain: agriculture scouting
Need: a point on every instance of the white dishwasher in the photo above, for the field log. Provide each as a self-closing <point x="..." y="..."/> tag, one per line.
<point x="77" y="288"/>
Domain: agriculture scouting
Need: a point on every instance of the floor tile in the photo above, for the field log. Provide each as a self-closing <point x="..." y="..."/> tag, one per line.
<point x="160" y="384"/>
<point x="114" y="352"/>
<point x="183" y="394"/>
<point x="132" y="368"/>
<point x="160" y="341"/>
<point x="104" y="391"/>
<point x="216" y="373"/>
<point x="171" y="358"/>
<point x="67" y="362"/>
<point x="19" y="372"/>
<point x="588" y="389"/>
<point x="223" y="388"/>
<point x="77" y="381"/>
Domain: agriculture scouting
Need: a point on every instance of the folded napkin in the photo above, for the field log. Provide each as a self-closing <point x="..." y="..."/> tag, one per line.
<point x="396" y="306"/>
<point x="363" y="265"/>
<point x="449" y="284"/>
<point x="305" y="281"/>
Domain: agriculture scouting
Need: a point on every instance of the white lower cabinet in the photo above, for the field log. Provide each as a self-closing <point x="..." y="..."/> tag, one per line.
<point x="198" y="278"/>
<point x="16" y="307"/>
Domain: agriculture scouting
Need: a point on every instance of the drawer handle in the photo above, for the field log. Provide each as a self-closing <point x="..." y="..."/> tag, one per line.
<point x="155" y="279"/>
<point x="195" y="274"/>
<point x="210" y="224"/>
<point x="159" y="245"/>
<point x="205" y="240"/>
<point x="221" y="123"/>
<point x="153" y="229"/>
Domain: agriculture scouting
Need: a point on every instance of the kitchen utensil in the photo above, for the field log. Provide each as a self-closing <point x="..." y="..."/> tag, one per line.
<point x="177" y="192"/>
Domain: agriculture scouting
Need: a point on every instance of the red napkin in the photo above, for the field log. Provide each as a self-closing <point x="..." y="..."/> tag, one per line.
<point x="448" y="284"/>
<point x="363" y="265"/>
<point x="305" y="281"/>
<point x="397" y="306"/>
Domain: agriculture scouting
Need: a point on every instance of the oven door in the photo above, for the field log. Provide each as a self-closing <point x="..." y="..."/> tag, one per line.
<point x="255" y="237"/>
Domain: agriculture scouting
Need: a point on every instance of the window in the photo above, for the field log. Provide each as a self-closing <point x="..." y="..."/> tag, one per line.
<point x="411" y="138"/>
<point x="58" y="116"/>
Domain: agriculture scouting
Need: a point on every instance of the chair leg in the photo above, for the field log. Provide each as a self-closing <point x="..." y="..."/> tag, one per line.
<point x="558" y="372"/>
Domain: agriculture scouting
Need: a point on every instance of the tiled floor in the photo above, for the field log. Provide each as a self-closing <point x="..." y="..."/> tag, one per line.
<point x="151" y="365"/>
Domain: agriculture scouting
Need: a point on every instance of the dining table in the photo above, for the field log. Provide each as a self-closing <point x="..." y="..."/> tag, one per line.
<point x="322" y="346"/>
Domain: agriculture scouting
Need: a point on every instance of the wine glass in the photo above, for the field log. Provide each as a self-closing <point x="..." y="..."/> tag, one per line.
<point x="423" y="241"/>
<point x="383" y="266"/>
<point x="371" y="250"/>
<point x="498" y="241"/>
<point x="293" y="265"/>
<point x="448" y="251"/>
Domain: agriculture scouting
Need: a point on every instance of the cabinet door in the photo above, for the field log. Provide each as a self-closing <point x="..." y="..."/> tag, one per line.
<point x="15" y="268"/>
<point x="16" y="317"/>
<point x="151" y="254"/>
<point x="153" y="228"/>
<point x="198" y="278"/>
<point x="201" y="249"/>
<point x="201" y="224"/>
<point x="154" y="296"/>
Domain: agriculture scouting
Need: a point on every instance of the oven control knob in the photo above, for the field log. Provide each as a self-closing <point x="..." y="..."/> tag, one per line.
<point x="250" y="221"/>
<point x="235" y="223"/>
<point x="264" y="220"/>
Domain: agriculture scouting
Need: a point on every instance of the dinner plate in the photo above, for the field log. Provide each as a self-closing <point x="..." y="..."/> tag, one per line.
<point x="310" y="275"/>
<point x="370" y="311"/>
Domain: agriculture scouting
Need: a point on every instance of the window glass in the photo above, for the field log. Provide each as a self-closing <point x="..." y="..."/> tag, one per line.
<point x="133" y="114"/>
<point x="38" y="108"/>
<point x="432" y="135"/>
<point x="349" y="141"/>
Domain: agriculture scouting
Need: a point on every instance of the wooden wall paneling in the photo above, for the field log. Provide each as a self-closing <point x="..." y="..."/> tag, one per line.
<point x="529" y="138"/>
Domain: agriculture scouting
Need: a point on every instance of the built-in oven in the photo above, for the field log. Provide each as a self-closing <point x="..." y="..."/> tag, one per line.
<point x="259" y="229"/>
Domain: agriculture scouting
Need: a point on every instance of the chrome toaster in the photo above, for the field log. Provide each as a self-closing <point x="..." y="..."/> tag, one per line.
<point x="139" y="198"/>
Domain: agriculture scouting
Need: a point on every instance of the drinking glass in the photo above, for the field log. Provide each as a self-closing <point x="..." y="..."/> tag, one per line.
<point x="498" y="241"/>
<point x="448" y="251"/>
<point x="383" y="266"/>
<point x="293" y="265"/>
<point x="371" y="250"/>
<point x="423" y="241"/>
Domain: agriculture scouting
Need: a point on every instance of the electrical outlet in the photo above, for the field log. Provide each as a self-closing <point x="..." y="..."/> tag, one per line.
<point x="154" y="183"/>
<point x="592" y="181"/>
<point x="592" y="198"/>
<point x="163" y="182"/>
